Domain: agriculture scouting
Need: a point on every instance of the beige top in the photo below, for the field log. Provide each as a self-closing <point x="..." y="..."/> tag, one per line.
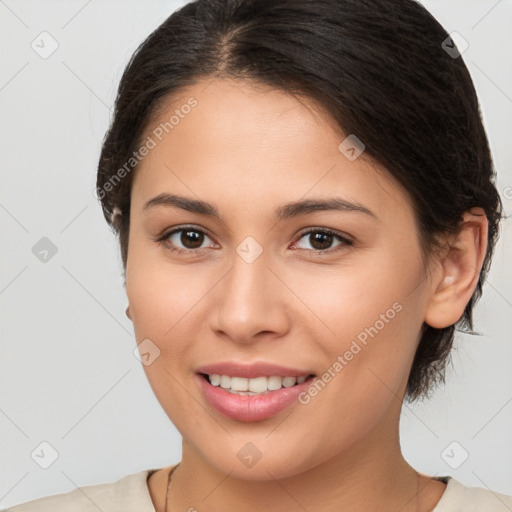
<point x="131" y="494"/>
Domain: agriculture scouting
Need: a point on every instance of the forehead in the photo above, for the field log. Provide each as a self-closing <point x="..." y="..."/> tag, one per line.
<point x="234" y="142"/>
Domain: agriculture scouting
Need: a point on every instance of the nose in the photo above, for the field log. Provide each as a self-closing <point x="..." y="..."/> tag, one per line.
<point x="250" y="302"/>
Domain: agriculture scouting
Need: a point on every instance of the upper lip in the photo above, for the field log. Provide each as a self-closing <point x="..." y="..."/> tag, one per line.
<point x="252" y="370"/>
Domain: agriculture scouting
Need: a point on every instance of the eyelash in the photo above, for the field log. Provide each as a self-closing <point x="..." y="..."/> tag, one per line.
<point x="164" y="240"/>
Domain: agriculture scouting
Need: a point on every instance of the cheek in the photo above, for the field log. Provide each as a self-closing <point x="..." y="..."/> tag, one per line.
<point x="370" y="319"/>
<point x="364" y="299"/>
<point x="161" y="305"/>
<point x="161" y="295"/>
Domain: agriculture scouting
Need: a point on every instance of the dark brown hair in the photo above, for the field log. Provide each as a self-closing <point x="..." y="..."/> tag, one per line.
<point x="379" y="67"/>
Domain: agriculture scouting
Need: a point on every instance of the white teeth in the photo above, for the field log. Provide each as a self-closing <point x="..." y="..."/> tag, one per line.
<point x="239" y="384"/>
<point x="258" y="385"/>
<point x="288" y="382"/>
<point x="245" y="386"/>
<point x="274" y="383"/>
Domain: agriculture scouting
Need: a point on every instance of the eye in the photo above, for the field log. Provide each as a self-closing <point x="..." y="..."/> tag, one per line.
<point x="190" y="237"/>
<point x="322" y="239"/>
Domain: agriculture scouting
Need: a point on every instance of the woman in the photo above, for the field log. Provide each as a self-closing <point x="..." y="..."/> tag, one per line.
<point x="306" y="209"/>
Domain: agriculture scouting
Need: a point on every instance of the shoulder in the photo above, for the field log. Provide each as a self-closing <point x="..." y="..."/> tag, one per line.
<point x="460" y="498"/>
<point x="130" y="493"/>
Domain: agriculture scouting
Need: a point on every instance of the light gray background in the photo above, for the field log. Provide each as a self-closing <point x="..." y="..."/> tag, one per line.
<point x="68" y="375"/>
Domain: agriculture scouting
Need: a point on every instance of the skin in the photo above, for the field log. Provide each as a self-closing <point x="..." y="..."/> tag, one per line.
<point x="249" y="149"/>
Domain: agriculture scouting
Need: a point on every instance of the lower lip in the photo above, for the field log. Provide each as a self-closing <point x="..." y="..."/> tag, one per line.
<point x="251" y="407"/>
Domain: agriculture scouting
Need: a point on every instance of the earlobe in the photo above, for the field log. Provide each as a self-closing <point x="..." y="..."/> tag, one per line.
<point x="128" y="312"/>
<point x="459" y="271"/>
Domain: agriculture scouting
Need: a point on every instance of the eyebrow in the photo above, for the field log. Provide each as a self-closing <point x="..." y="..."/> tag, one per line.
<point x="289" y="210"/>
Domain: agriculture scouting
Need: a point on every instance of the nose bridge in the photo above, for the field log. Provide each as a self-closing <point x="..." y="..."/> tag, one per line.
<point x="248" y="300"/>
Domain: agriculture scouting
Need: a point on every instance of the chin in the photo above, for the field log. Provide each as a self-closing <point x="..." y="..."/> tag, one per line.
<point x="254" y="458"/>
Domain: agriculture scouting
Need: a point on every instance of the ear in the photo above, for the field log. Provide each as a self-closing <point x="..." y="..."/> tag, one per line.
<point x="458" y="271"/>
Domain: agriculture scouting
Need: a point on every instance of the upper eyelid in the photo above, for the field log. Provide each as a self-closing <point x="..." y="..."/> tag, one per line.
<point x="172" y="231"/>
<point x="335" y="232"/>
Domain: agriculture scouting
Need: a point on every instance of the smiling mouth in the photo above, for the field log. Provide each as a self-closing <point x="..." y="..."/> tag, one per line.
<point x="254" y="386"/>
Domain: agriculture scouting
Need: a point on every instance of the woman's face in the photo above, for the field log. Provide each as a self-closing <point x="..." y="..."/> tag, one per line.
<point x="250" y="288"/>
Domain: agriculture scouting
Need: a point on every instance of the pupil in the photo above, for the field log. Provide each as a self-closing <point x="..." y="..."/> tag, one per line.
<point x="321" y="239"/>
<point x="191" y="236"/>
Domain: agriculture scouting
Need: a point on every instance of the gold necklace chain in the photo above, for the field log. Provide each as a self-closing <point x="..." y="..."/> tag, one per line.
<point x="169" y="479"/>
<point x="417" y="491"/>
<point x="169" y="485"/>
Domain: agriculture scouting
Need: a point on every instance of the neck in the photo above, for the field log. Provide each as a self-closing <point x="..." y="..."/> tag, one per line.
<point x="371" y="475"/>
